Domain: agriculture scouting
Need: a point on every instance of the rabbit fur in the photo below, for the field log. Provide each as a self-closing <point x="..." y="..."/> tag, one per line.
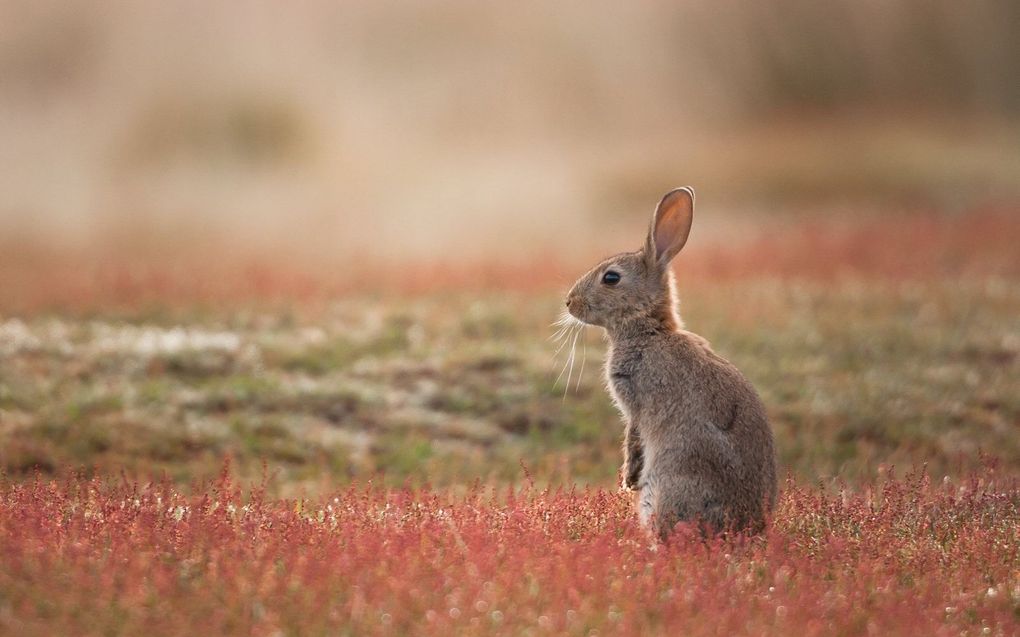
<point x="698" y="447"/>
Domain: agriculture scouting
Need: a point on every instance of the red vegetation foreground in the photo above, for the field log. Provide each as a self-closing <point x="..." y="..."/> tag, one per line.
<point x="86" y="557"/>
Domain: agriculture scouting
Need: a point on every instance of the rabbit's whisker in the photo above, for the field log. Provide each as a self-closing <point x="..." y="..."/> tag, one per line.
<point x="566" y="339"/>
<point x="573" y="357"/>
<point x="558" y="334"/>
<point x="566" y="363"/>
<point x="565" y="332"/>
<point x="565" y="322"/>
<point x="562" y="371"/>
<point x="584" y="357"/>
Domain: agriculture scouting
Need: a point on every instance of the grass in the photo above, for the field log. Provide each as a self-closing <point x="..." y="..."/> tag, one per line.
<point x="420" y="471"/>
<point x="345" y="292"/>
<point x="905" y="556"/>
<point x="444" y="389"/>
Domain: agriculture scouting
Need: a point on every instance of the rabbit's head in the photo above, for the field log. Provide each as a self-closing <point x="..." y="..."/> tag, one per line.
<point x="638" y="286"/>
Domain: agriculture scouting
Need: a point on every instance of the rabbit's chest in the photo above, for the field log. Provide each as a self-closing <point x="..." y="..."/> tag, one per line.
<point x="623" y="371"/>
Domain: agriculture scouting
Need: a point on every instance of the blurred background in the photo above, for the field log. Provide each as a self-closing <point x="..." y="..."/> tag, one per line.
<point x="421" y="130"/>
<point x="213" y="152"/>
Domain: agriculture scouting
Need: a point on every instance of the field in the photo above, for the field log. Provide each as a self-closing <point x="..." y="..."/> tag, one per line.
<point x="901" y="557"/>
<point x="278" y="286"/>
<point x="867" y="355"/>
<point x="402" y="459"/>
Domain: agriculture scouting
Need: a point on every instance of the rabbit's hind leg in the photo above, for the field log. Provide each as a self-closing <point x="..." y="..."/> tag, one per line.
<point x="690" y="500"/>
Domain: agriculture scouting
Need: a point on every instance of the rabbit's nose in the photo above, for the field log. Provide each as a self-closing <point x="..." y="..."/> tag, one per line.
<point x="573" y="303"/>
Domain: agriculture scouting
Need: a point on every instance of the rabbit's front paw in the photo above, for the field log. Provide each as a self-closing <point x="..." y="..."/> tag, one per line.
<point x="630" y="479"/>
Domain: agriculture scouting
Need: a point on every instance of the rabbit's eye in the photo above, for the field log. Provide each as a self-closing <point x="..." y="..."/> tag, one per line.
<point x="611" y="277"/>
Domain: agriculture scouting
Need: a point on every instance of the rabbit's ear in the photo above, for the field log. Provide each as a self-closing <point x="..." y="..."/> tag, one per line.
<point x="670" y="226"/>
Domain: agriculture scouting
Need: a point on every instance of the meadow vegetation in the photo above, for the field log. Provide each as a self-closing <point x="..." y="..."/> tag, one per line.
<point x="403" y="460"/>
<point x="277" y="287"/>
<point x="901" y="556"/>
<point x="896" y="357"/>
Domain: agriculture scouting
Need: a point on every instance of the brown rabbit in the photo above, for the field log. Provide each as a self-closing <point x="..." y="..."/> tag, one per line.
<point x="697" y="443"/>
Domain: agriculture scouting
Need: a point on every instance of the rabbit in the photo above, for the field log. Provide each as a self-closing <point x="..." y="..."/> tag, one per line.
<point x="698" y="447"/>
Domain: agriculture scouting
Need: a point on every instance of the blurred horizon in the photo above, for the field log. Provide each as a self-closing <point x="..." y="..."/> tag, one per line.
<point x="173" y="134"/>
